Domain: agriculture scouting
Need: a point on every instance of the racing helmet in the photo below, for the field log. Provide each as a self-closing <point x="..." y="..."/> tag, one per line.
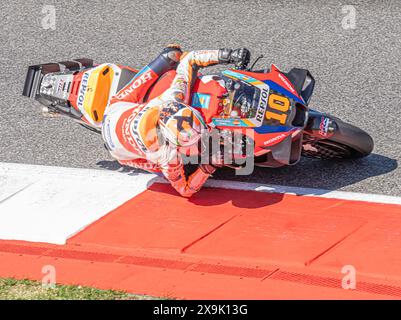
<point x="180" y="124"/>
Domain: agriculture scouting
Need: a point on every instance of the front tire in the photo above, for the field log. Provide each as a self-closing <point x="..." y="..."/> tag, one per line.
<point x="347" y="142"/>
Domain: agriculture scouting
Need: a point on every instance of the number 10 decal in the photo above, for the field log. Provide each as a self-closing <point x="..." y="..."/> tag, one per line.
<point x="278" y="103"/>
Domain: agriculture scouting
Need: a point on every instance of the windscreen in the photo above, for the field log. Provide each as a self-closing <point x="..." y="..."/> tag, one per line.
<point x="243" y="100"/>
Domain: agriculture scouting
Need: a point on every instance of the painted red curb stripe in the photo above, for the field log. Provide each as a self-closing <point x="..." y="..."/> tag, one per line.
<point x="253" y="245"/>
<point x="113" y="260"/>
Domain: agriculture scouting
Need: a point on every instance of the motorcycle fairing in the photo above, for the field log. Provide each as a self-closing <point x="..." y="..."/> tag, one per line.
<point x="238" y="75"/>
<point x="278" y="141"/>
<point x="271" y="132"/>
<point x="253" y="122"/>
<point x="274" y="86"/>
<point x="303" y="82"/>
<point x="278" y="81"/>
<point x="92" y="89"/>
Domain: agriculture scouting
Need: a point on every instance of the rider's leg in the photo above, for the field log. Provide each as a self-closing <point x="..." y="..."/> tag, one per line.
<point x="136" y="90"/>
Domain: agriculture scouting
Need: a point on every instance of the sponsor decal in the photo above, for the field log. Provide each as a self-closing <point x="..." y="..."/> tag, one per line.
<point x="264" y="94"/>
<point x="167" y="111"/>
<point x="201" y="52"/>
<point x="180" y="86"/>
<point x="126" y="130"/>
<point x="288" y="85"/>
<point x="324" y="126"/>
<point x="135" y="131"/>
<point x="130" y="132"/>
<point x="136" y="83"/>
<point x="82" y="90"/>
<point x="107" y="136"/>
<point x="279" y="107"/>
<point x="60" y="85"/>
<point x="275" y="139"/>
<point x="224" y="122"/>
<point x="201" y="100"/>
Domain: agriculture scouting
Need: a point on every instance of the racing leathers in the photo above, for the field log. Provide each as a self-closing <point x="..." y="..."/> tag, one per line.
<point x="132" y="128"/>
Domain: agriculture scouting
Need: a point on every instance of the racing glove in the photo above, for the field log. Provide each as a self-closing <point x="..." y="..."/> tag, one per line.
<point x="207" y="168"/>
<point x="240" y="57"/>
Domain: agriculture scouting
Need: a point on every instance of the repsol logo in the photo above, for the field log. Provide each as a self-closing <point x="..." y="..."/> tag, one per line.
<point x="135" y="84"/>
<point x="127" y="132"/>
<point x="262" y="105"/>
<point x="131" y="132"/>
<point x="82" y="90"/>
<point x="135" y="130"/>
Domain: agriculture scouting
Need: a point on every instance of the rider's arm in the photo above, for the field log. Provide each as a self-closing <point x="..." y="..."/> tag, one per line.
<point x="190" y="62"/>
<point x="170" y="163"/>
<point x="187" y="71"/>
<point x="170" y="160"/>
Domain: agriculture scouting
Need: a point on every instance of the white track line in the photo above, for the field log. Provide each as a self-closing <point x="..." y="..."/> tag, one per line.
<point x="24" y="170"/>
<point x="50" y="204"/>
<point x="322" y="193"/>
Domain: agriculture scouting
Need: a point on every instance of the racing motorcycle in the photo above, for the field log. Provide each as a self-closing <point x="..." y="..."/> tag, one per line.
<point x="268" y="108"/>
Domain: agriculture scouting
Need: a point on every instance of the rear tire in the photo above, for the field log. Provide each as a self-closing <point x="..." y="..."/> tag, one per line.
<point x="348" y="142"/>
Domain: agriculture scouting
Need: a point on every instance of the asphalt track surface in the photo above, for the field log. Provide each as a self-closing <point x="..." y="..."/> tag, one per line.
<point x="358" y="72"/>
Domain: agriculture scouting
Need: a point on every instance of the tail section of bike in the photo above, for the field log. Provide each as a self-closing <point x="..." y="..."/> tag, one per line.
<point x="77" y="88"/>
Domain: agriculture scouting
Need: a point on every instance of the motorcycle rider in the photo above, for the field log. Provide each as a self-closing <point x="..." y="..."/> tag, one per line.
<point x="149" y="135"/>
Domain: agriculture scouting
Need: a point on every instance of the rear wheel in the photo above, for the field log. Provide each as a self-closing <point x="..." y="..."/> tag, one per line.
<point x="347" y="142"/>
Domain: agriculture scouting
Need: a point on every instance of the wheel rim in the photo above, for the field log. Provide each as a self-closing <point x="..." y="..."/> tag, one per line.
<point x="326" y="150"/>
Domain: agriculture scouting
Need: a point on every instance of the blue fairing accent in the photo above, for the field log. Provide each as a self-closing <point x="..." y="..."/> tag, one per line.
<point x="201" y="100"/>
<point x="272" y="129"/>
<point x="143" y="70"/>
<point x="279" y="88"/>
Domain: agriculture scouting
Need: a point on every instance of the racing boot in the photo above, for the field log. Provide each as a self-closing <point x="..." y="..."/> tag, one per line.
<point x="167" y="60"/>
